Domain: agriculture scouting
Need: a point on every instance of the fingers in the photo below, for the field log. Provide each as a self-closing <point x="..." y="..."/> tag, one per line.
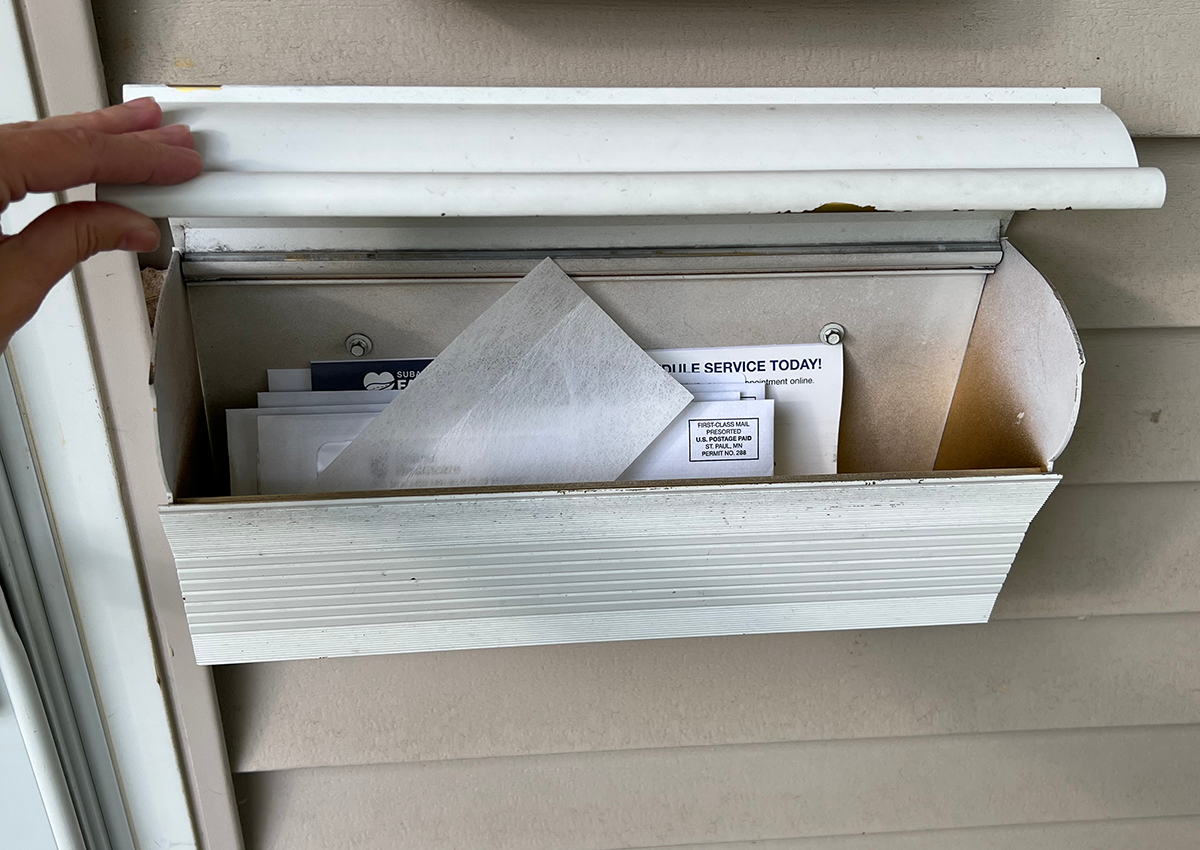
<point x="32" y="261"/>
<point x="178" y="135"/>
<point x="140" y="114"/>
<point x="121" y="144"/>
<point x="52" y="160"/>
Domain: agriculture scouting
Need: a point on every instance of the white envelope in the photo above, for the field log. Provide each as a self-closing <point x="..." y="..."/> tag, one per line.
<point x="326" y="397"/>
<point x="241" y="427"/>
<point x="805" y="380"/>
<point x="712" y="439"/>
<point x="291" y="447"/>
<point x="711" y="388"/>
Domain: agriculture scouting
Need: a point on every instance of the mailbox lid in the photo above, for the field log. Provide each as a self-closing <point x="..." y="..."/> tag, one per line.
<point x="479" y="152"/>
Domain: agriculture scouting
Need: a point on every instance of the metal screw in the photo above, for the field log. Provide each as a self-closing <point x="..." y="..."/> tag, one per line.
<point x="833" y="334"/>
<point x="359" y="345"/>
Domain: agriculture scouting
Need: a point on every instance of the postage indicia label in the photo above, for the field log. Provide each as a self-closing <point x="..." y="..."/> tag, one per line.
<point x="722" y="439"/>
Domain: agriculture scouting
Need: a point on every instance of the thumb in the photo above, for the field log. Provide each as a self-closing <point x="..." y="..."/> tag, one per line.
<point x="35" y="259"/>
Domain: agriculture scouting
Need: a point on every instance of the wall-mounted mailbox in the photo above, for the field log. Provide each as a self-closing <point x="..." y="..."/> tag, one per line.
<point x="694" y="217"/>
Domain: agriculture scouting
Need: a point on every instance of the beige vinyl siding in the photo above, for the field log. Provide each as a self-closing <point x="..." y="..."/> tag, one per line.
<point x="1177" y="833"/>
<point x="650" y="798"/>
<point x="1126" y="269"/>
<point x="1159" y="833"/>
<point x="1142" y="52"/>
<point x="1072" y="720"/>
<point x="1108" y="549"/>
<point x="823" y="686"/>
<point x="1141" y="406"/>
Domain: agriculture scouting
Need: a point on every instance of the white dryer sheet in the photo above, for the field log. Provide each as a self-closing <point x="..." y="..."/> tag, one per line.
<point x="543" y="388"/>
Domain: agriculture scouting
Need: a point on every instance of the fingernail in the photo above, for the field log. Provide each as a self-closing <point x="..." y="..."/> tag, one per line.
<point x="140" y="240"/>
<point x="179" y="135"/>
<point x="141" y="103"/>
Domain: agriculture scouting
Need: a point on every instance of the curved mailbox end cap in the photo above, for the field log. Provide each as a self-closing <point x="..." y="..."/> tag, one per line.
<point x="1019" y="391"/>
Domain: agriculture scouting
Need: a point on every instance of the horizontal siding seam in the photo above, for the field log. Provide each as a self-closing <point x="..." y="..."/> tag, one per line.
<point x="1068" y="483"/>
<point x="1114" y="482"/>
<point x="1016" y="618"/>
<point x="1072" y="731"/>
<point x="1085" y="329"/>
<point x="767" y="843"/>
<point x="1136" y="329"/>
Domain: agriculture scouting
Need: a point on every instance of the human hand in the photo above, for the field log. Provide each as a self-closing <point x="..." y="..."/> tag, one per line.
<point x="121" y="144"/>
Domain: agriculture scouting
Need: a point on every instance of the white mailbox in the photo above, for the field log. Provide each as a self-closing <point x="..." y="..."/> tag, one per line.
<point x="694" y="217"/>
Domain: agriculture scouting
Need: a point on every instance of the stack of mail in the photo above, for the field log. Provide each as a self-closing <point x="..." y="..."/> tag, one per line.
<point x="803" y="379"/>
<point x="727" y="432"/>
<point x="543" y="388"/>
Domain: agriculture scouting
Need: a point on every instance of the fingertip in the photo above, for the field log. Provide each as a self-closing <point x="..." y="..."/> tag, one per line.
<point x="193" y="163"/>
<point x="178" y="135"/>
<point x="176" y="165"/>
<point x="169" y="164"/>
<point x="145" y="111"/>
<point x="139" y="240"/>
<point x="175" y="135"/>
<point x="144" y="105"/>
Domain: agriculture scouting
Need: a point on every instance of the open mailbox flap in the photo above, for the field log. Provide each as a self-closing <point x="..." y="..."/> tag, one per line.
<point x="404" y="213"/>
<point x="479" y="152"/>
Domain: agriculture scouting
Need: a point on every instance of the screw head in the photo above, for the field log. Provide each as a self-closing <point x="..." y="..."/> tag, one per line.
<point x="833" y="334"/>
<point x="359" y="345"/>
